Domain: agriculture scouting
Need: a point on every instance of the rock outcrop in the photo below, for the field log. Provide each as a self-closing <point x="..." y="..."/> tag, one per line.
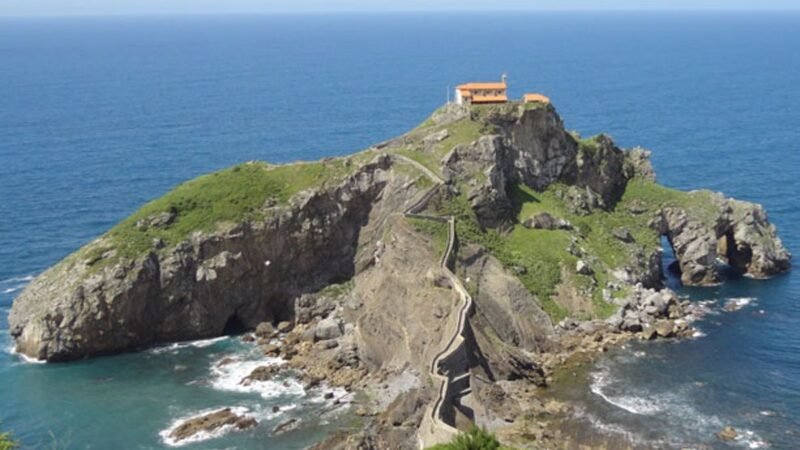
<point x="211" y="422"/>
<point x="734" y="231"/>
<point x="234" y="278"/>
<point x="337" y="281"/>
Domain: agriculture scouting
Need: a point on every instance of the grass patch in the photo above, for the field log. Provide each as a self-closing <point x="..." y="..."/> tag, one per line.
<point x="338" y="289"/>
<point x="231" y="195"/>
<point x="541" y="253"/>
<point x="437" y="231"/>
<point x="535" y="105"/>
<point x="474" y="439"/>
<point x="462" y="131"/>
<point x="7" y="441"/>
<point x="699" y="204"/>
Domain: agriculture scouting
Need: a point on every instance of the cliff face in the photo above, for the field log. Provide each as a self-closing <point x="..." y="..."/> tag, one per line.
<point x="235" y="277"/>
<point x="531" y="147"/>
<point x="505" y="163"/>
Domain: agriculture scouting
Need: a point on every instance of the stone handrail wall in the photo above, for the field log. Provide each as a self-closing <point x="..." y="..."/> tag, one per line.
<point x="434" y="428"/>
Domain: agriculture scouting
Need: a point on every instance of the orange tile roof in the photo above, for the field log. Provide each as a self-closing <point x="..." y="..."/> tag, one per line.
<point x="476" y="86"/>
<point x="535" y="98"/>
<point x="489" y="98"/>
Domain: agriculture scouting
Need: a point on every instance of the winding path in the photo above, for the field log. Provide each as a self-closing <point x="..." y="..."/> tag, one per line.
<point x="434" y="428"/>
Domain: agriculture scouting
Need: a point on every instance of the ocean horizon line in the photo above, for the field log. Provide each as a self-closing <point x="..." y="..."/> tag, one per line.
<point x="414" y="12"/>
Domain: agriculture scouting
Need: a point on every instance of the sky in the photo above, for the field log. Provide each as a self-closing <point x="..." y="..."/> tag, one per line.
<point x="146" y="7"/>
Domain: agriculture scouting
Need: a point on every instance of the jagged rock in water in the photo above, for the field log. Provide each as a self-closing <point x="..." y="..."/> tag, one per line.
<point x="261" y="373"/>
<point x="211" y="422"/>
<point x="738" y="232"/>
<point x="728" y="434"/>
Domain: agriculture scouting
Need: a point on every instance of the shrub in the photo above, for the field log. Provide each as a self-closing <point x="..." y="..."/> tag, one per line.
<point x="474" y="439"/>
<point x="7" y="442"/>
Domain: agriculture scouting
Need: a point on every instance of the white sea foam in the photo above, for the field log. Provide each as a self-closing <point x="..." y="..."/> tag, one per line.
<point x="751" y="440"/>
<point x="610" y="428"/>
<point x="228" y="377"/>
<point x="12" y="350"/>
<point x="11" y="280"/>
<point x="698" y="334"/>
<point x="202" y="343"/>
<point x="165" y="434"/>
<point x="15" y="284"/>
<point x="737" y="303"/>
<point x="601" y="380"/>
<point x="13" y="289"/>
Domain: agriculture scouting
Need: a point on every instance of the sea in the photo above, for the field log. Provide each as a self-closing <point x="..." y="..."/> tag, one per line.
<point x="98" y="115"/>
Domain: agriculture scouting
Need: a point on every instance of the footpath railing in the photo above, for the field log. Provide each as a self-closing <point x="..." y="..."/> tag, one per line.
<point x="439" y="430"/>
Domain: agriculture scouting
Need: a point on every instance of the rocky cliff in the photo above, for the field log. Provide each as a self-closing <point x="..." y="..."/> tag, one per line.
<point x="552" y="230"/>
<point x="231" y="278"/>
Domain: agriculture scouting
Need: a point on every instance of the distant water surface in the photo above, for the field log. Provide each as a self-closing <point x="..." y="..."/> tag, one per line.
<point x="99" y="115"/>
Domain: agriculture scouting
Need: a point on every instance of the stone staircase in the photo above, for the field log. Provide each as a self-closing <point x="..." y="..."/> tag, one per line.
<point x="449" y="369"/>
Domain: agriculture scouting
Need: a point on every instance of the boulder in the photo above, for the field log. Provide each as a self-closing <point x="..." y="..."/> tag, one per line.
<point x="261" y="373"/>
<point x="545" y="221"/>
<point x="346" y="356"/>
<point x="582" y="267"/>
<point x="665" y="328"/>
<point x="310" y="306"/>
<point x="429" y="141"/>
<point x="265" y="330"/>
<point x="271" y="349"/>
<point x="327" y="345"/>
<point x="211" y="422"/>
<point x="728" y="434"/>
<point x="285" y="426"/>
<point x="329" y="328"/>
<point x="285" y="327"/>
<point x="623" y="234"/>
<point x="159" y="220"/>
<point x="631" y="324"/>
<point x="438" y="279"/>
<point x="649" y="333"/>
<point x="636" y="207"/>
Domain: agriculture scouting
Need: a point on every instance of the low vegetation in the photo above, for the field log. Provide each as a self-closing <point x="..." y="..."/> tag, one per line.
<point x="541" y="258"/>
<point x="7" y="442"/>
<point x="231" y="195"/>
<point x="462" y="131"/>
<point x="474" y="439"/>
<point x="437" y="231"/>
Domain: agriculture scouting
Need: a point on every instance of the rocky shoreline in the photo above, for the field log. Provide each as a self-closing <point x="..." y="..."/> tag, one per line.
<point x="556" y="239"/>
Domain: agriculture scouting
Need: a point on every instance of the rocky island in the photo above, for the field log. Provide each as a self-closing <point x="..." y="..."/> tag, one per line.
<point x="470" y="257"/>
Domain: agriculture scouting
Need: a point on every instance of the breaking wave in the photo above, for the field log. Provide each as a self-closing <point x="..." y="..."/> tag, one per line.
<point x="11" y="280"/>
<point x="14" y="284"/>
<point x="11" y="349"/>
<point x="228" y="377"/>
<point x="674" y="409"/>
<point x="601" y="380"/>
<point x="737" y="303"/>
<point x="174" y="347"/>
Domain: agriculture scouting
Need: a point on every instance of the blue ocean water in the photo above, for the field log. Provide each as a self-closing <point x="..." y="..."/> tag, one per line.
<point x="99" y="115"/>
